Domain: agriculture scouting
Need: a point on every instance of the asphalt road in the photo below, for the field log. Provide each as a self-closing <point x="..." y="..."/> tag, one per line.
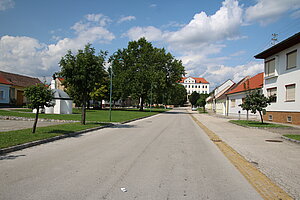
<point x="162" y="157"/>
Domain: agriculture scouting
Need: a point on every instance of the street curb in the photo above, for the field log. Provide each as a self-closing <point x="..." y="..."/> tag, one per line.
<point x="291" y="140"/>
<point x="38" y="142"/>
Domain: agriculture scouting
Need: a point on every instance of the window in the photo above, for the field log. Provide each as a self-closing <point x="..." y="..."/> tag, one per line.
<point x="270" y="67"/>
<point x="1" y="95"/>
<point x="290" y="92"/>
<point x="192" y="86"/>
<point x="189" y="86"/>
<point x="232" y="103"/>
<point x="289" y="119"/>
<point x="272" y="91"/>
<point x="291" y="60"/>
<point x="270" y="117"/>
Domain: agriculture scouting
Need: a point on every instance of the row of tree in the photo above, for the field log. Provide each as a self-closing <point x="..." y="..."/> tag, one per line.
<point x="140" y="71"/>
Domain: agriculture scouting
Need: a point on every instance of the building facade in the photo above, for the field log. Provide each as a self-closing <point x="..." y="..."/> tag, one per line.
<point x="282" y="78"/>
<point x="193" y="84"/>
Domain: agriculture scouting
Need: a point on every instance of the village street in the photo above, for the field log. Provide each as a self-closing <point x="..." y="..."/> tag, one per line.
<point x="166" y="156"/>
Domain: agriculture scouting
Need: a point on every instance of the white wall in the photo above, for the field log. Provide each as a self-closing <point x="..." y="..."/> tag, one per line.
<point x="284" y="77"/>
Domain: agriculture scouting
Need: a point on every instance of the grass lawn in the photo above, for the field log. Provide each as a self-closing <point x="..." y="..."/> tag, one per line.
<point x="295" y="137"/>
<point x="256" y="124"/>
<point x="12" y="138"/>
<point x="200" y="110"/>
<point x="91" y="115"/>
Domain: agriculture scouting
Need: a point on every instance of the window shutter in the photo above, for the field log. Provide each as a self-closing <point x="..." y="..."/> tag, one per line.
<point x="290" y="92"/>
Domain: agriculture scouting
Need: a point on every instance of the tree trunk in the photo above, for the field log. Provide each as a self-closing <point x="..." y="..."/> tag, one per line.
<point x="247" y="115"/>
<point x="83" y="111"/>
<point x="142" y="104"/>
<point x="261" y="118"/>
<point x="203" y="109"/>
<point x="36" y="119"/>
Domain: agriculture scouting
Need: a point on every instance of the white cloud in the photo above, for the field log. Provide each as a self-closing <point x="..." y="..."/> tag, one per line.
<point x="268" y="11"/>
<point x="150" y="33"/>
<point x="153" y="6"/>
<point x="27" y="55"/>
<point x="216" y="74"/>
<point x="127" y="18"/>
<point x="6" y="4"/>
<point x="101" y="19"/>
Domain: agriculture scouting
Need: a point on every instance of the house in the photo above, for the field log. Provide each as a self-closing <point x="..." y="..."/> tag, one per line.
<point x="17" y="84"/>
<point x="192" y="84"/>
<point x="236" y="96"/>
<point x="4" y="91"/>
<point x="282" y="78"/>
<point x="216" y="102"/>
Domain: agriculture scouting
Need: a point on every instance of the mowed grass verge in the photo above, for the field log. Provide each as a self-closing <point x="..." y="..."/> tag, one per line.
<point x="12" y="138"/>
<point x="94" y="117"/>
<point x="91" y="115"/>
<point x="249" y="123"/>
<point x="295" y="137"/>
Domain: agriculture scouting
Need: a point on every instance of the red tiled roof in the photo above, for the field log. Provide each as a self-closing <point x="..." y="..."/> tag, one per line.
<point x="4" y="81"/>
<point x="198" y="80"/>
<point x="19" y="80"/>
<point x="61" y="79"/>
<point x="254" y="82"/>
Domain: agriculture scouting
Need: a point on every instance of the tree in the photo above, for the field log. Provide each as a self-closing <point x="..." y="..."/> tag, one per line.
<point x="143" y="71"/>
<point x="193" y="98"/>
<point x="38" y="96"/>
<point x="257" y="102"/>
<point x="246" y="105"/>
<point x="202" y="101"/>
<point x="81" y="73"/>
<point x="175" y="95"/>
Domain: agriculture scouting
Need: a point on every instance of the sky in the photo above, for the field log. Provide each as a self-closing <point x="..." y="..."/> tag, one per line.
<point x="216" y="40"/>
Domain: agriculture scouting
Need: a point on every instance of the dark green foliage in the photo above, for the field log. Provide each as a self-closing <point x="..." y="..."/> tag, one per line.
<point x="176" y="95"/>
<point x="202" y="101"/>
<point x="38" y="96"/>
<point x="255" y="101"/>
<point x="82" y="72"/>
<point x="193" y="98"/>
<point x="144" y="72"/>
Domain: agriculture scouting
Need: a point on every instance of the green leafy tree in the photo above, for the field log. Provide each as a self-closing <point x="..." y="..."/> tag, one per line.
<point x="81" y="73"/>
<point x="246" y="105"/>
<point x="144" y="72"/>
<point x="38" y="96"/>
<point x="202" y="101"/>
<point x="257" y="102"/>
<point x="176" y="95"/>
<point x="193" y="98"/>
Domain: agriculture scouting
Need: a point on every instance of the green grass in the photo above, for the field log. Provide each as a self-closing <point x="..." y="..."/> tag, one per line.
<point x="295" y="137"/>
<point x="91" y="115"/>
<point x="200" y="110"/>
<point x="12" y="138"/>
<point x="256" y="124"/>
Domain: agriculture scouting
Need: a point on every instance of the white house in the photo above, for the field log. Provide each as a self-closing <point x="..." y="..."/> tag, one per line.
<point x="282" y="78"/>
<point x="217" y="101"/>
<point x="236" y="96"/>
<point x="192" y="84"/>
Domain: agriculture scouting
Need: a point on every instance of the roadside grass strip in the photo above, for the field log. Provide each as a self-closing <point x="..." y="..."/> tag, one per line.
<point x="17" y="137"/>
<point x="293" y="137"/>
<point x="249" y="123"/>
<point x="262" y="184"/>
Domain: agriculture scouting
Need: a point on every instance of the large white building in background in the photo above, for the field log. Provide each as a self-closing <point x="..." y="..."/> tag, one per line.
<point x="193" y="84"/>
<point x="282" y="78"/>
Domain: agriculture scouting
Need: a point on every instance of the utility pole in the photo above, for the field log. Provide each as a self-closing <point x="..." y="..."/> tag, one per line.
<point x="274" y="39"/>
<point x="110" y="94"/>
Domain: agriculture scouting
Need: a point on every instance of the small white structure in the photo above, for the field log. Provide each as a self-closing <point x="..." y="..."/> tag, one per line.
<point x="63" y="102"/>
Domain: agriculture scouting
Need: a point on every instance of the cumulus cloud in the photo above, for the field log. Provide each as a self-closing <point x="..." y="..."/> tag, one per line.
<point x="6" y="4"/>
<point x="216" y="74"/>
<point x="27" y="55"/>
<point x="127" y="18"/>
<point x="150" y="33"/>
<point x="267" y="11"/>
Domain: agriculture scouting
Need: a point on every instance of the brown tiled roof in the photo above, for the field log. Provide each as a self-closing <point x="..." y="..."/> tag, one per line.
<point x="4" y="81"/>
<point x="252" y="83"/>
<point x="19" y="80"/>
<point x="198" y="80"/>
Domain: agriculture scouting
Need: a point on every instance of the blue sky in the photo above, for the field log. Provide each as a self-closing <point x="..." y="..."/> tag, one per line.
<point x="215" y="39"/>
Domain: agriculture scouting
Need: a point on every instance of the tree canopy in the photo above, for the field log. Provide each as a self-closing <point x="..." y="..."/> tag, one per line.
<point x="141" y="69"/>
<point x="38" y="96"/>
<point x="193" y="98"/>
<point x="82" y="72"/>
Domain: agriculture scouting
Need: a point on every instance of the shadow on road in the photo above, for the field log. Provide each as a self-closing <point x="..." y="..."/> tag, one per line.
<point x="10" y="157"/>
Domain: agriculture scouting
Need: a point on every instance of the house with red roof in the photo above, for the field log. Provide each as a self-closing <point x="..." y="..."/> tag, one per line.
<point x="236" y="95"/>
<point x="282" y="78"/>
<point x="195" y="84"/>
<point x="12" y="87"/>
